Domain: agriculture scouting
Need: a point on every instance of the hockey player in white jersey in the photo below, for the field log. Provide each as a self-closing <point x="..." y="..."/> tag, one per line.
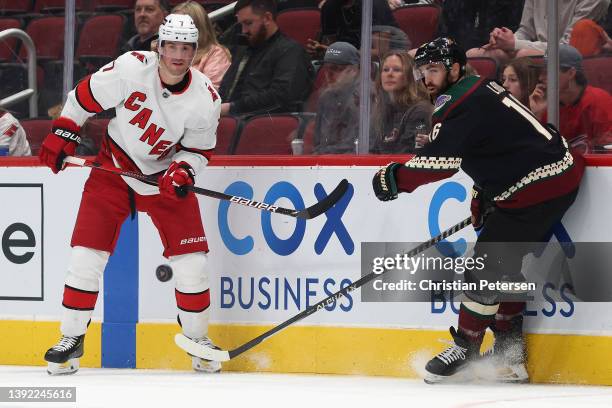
<point x="165" y="125"/>
<point x="12" y="133"/>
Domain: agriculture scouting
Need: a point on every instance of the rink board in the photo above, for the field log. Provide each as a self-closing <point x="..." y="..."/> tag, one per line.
<point x="263" y="270"/>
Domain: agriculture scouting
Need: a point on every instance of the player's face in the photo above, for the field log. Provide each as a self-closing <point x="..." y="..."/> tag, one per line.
<point x="434" y="77"/>
<point x="392" y="76"/>
<point x="253" y="25"/>
<point x="177" y="56"/>
<point x="148" y="15"/>
<point x="511" y="82"/>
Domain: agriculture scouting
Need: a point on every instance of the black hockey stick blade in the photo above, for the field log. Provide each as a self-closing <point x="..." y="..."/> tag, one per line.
<point x="209" y="353"/>
<point x="325" y="204"/>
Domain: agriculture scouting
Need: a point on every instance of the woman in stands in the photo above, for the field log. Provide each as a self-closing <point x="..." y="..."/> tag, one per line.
<point x="401" y="108"/>
<point x="519" y="77"/>
<point x="212" y="59"/>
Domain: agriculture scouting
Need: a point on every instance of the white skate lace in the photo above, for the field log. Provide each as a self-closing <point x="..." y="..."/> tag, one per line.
<point x="452" y="353"/>
<point x="66" y="343"/>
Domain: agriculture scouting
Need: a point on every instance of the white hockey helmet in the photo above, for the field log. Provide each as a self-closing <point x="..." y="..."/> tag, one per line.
<point x="178" y="27"/>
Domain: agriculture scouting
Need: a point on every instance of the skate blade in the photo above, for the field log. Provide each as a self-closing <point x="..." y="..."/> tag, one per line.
<point x="209" y="367"/>
<point x="496" y="371"/>
<point x="463" y="375"/>
<point x="516" y="374"/>
<point x="67" y="368"/>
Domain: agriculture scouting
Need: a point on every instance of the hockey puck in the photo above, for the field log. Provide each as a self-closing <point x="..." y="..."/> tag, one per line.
<point x="163" y="273"/>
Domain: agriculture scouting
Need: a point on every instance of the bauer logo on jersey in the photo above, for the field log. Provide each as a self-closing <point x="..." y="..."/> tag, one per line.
<point x="441" y="101"/>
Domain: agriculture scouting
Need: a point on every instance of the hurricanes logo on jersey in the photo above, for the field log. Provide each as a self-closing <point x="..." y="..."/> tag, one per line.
<point x="152" y="132"/>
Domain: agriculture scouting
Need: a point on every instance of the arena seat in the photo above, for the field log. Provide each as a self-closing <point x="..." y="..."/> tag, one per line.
<point x="99" y="49"/>
<point x="9" y="7"/>
<point x="597" y="71"/>
<point x="419" y="22"/>
<point x="36" y="130"/>
<point x="55" y="6"/>
<point x="268" y="134"/>
<point x="300" y="24"/>
<point x="227" y="130"/>
<point x="8" y="46"/>
<point x="113" y="5"/>
<point x="47" y="33"/>
<point x="486" y="67"/>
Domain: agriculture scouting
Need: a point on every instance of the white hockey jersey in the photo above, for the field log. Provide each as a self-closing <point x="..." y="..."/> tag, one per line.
<point x="153" y="126"/>
<point x="11" y="130"/>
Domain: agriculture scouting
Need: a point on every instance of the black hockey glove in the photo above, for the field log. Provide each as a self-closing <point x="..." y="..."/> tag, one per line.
<point x="480" y="208"/>
<point x="384" y="182"/>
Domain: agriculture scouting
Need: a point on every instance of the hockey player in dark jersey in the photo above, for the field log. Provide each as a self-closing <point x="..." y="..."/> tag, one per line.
<point x="521" y="168"/>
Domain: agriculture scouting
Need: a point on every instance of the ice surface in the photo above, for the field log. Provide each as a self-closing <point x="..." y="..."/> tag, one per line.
<point x="118" y="388"/>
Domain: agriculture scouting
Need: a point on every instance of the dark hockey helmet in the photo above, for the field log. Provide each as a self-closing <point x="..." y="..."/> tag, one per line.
<point x="443" y="50"/>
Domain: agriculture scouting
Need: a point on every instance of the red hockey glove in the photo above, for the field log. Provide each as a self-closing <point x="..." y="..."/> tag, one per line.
<point x="384" y="183"/>
<point x="61" y="142"/>
<point x="174" y="180"/>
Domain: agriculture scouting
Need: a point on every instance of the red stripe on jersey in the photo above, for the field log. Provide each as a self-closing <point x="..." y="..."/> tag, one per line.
<point x="461" y="99"/>
<point x="85" y="97"/>
<point x="11" y="130"/>
<point x="193" y="302"/>
<point x="206" y="153"/>
<point x="79" y="299"/>
<point x="409" y="179"/>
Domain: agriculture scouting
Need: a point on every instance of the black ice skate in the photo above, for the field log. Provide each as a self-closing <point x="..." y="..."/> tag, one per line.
<point x="202" y="365"/>
<point x="452" y="360"/>
<point x="508" y="356"/>
<point x="63" y="358"/>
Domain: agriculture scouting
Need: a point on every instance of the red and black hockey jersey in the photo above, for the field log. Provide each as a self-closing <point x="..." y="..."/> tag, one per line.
<point x="481" y="128"/>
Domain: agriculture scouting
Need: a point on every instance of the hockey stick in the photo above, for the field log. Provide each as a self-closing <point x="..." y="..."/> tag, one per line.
<point x="307" y="213"/>
<point x="210" y="353"/>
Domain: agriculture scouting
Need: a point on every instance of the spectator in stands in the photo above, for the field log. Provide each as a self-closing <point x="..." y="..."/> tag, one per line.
<point x="148" y="15"/>
<point x="341" y="21"/>
<point x="520" y="78"/>
<point x="337" y="123"/>
<point x="470" y="22"/>
<point x="401" y="106"/>
<point x="272" y="74"/>
<point x="585" y="115"/>
<point x="211" y="59"/>
<point x="386" y="39"/>
<point x="590" y="39"/>
<point x="12" y="132"/>
<point x="531" y="37"/>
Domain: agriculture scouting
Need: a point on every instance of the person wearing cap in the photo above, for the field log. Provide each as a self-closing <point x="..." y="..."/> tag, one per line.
<point x="531" y="37"/>
<point x="148" y="15"/>
<point x="341" y="21"/>
<point x="585" y="112"/>
<point x="273" y="74"/>
<point x="337" y="107"/>
<point x="522" y="170"/>
<point x="388" y="38"/>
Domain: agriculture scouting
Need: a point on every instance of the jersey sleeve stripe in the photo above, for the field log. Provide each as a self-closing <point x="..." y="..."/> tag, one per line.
<point x="206" y="153"/>
<point x="461" y="99"/>
<point x="85" y="97"/>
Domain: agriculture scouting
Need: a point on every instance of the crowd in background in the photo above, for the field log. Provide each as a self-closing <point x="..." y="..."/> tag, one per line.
<point x="257" y="69"/>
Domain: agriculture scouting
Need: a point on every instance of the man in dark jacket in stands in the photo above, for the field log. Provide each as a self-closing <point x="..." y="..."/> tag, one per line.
<point x="148" y="15"/>
<point x="272" y="74"/>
